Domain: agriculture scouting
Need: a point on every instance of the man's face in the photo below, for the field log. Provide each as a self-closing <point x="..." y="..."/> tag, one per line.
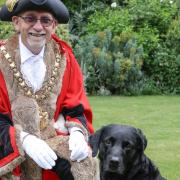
<point x="35" y="33"/>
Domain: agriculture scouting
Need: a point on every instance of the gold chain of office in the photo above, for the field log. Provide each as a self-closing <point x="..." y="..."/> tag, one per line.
<point x="46" y="89"/>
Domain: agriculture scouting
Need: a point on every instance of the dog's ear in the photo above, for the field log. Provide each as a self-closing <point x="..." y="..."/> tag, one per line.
<point x="142" y="139"/>
<point x="94" y="141"/>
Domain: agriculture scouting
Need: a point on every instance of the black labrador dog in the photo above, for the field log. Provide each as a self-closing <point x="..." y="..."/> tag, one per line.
<point x="121" y="154"/>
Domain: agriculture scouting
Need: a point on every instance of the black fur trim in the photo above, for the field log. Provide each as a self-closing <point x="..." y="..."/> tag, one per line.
<point x="5" y="120"/>
<point x="75" y="112"/>
<point x="5" y="143"/>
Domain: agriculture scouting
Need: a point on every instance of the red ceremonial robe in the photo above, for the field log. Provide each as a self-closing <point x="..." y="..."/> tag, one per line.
<point x="71" y="95"/>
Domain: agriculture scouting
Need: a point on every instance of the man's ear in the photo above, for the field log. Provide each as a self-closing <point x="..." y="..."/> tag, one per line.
<point x="15" y="22"/>
<point x="94" y="141"/>
<point x="55" y="24"/>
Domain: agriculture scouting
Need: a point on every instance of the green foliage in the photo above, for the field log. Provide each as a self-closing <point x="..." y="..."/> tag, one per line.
<point x="155" y="14"/>
<point x="155" y="27"/>
<point x="172" y="42"/>
<point x="131" y="68"/>
<point x="173" y="35"/>
<point x="6" y="29"/>
<point x="63" y="32"/>
<point x="79" y="5"/>
<point x="2" y="2"/>
<point x="107" y="68"/>
<point x="117" y="21"/>
<point x="78" y="20"/>
<point x="163" y="66"/>
<point x="158" y="33"/>
<point x="150" y="87"/>
<point x="94" y="62"/>
<point x="149" y="39"/>
<point x="165" y="70"/>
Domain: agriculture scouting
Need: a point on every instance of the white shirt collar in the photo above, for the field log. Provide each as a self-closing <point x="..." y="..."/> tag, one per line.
<point x="25" y="53"/>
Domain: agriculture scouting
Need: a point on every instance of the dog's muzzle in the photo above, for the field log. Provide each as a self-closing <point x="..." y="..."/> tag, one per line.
<point x="115" y="165"/>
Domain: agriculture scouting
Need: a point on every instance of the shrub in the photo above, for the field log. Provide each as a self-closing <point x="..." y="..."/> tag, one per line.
<point x="173" y="35"/>
<point x="165" y="70"/>
<point x="131" y="68"/>
<point x="6" y="30"/>
<point x="152" y="24"/>
<point x="164" y="65"/>
<point x="150" y="87"/>
<point x="149" y="39"/>
<point x="63" y="32"/>
<point x="108" y="68"/>
<point x="115" y="20"/>
<point x="156" y="14"/>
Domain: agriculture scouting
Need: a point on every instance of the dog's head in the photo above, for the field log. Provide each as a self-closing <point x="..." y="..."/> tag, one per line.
<point x="119" y="147"/>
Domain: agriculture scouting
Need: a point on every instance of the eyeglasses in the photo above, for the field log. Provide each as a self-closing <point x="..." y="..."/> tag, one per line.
<point x="31" y="20"/>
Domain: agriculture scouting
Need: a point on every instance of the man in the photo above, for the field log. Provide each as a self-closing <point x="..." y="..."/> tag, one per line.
<point x="36" y="64"/>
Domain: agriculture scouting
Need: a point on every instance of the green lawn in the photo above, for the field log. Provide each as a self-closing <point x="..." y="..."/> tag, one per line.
<point x="157" y="116"/>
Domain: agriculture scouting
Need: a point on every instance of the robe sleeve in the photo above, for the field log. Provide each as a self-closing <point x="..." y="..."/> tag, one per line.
<point x="74" y="103"/>
<point x="10" y="154"/>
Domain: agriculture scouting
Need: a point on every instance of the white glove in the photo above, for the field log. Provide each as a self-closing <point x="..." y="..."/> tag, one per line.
<point x="77" y="145"/>
<point x="38" y="150"/>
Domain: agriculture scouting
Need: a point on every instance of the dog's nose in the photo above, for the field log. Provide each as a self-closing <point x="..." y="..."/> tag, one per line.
<point x="114" y="163"/>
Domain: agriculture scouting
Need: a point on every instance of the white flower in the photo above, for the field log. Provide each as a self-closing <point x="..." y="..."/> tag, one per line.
<point x="170" y="2"/>
<point x="114" y="5"/>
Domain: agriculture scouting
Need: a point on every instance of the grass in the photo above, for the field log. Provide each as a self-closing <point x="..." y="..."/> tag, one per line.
<point x="157" y="116"/>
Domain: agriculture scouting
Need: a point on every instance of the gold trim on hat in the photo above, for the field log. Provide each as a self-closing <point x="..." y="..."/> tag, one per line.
<point x="10" y="4"/>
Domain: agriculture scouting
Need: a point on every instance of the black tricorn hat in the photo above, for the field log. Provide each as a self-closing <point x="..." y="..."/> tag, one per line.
<point x="14" y="7"/>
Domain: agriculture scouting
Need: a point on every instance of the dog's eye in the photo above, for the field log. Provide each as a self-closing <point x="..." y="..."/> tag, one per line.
<point x="127" y="145"/>
<point x="107" y="142"/>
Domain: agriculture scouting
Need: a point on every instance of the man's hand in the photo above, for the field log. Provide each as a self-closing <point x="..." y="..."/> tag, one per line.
<point x="77" y="145"/>
<point x="38" y="150"/>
